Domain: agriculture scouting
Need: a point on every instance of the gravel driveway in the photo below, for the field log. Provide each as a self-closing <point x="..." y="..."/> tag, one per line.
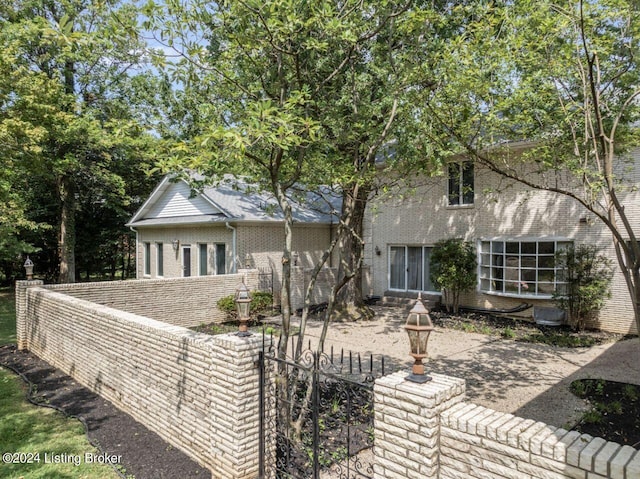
<point x="529" y="380"/>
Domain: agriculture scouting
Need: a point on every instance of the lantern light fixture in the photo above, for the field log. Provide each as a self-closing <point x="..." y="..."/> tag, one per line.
<point x="418" y="327"/>
<point x="28" y="267"/>
<point x="176" y="244"/>
<point x="243" y="308"/>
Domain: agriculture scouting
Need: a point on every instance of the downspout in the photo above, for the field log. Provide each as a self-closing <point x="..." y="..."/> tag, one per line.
<point x="234" y="268"/>
<point x="136" y="232"/>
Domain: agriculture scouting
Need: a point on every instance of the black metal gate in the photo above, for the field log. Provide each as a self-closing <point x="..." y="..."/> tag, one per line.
<point x="316" y="421"/>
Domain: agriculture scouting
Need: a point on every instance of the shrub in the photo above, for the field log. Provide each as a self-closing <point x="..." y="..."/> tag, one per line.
<point x="587" y="276"/>
<point x="453" y="270"/>
<point x="261" y="302"/>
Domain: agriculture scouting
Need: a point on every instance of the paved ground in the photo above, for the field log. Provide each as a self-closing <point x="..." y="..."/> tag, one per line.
<point x="529" y="380"/>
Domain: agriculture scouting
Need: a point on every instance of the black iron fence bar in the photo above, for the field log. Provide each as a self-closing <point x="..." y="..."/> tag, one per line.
<point x="261" y="412"/>
<point x="315" y="414"/>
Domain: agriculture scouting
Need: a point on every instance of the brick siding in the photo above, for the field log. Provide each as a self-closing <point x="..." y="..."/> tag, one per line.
<point x="502" y="209"/>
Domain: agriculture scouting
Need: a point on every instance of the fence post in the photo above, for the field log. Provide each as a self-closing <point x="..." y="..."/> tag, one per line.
<point x="22" y="310"/>
<point x="407" y="424"/>
<point x="235" y="406"/>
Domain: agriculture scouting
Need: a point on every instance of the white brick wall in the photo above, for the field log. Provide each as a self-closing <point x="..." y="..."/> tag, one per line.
<point x="179" y="301"/>
<point x="501" y="209"/>
<point x="428" y="431"/>
<point x="198" y="392"/>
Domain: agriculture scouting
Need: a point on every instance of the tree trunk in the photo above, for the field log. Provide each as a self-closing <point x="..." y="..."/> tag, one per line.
<point x="67" y="232"/>
<point x="350" y="299"/>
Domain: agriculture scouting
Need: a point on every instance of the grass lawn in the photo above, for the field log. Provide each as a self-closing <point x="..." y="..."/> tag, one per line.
<point x="7" y="316"/>
<point x="43" y="435"/>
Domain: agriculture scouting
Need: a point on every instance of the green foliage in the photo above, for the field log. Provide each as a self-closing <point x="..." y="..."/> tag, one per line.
<point x="261" y="303"/>
<point x="546" y="94"/>
<point x="30" y="429"/>
<point x="453" y="269"/>
<point x="71" y="130"/>
<point x="587" y="276"/>
<point x="7" y="317"/>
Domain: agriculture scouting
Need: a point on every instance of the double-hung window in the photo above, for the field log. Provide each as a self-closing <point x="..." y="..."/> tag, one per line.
<point x="520" y="267"/>
<point x="460" y="190"/>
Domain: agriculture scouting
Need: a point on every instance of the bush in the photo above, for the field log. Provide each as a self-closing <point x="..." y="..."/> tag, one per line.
<point x="453" y="269"/>
<point x="587" y="276"/>
<point x="261" y="302"/>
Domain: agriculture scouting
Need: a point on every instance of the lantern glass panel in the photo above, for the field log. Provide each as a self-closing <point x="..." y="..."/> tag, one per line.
<point x="243" y="308"/>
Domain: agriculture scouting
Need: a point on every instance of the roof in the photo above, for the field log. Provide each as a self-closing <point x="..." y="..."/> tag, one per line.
<point x="173" y="202"/>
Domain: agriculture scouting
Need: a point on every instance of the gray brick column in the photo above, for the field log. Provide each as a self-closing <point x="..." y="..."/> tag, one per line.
<point x="235" y="406"/>
<point x="21" y="310"/>
<point x="407" y="424"/>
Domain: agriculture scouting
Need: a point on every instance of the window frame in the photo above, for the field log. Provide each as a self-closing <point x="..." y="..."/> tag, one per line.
<point x="218" y="247"/>
<point x="146" y="258"/>
<point x="424" y="269"/>
<point x="465" y="196"/>
<point x="201" y="256"/>
<point x="160" y="260"/>
<point x="511" y="267"/>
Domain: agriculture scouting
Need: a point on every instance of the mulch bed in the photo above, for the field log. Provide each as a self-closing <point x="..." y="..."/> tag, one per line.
<point x="615" y="410"/>
<point x="144" y="454"/>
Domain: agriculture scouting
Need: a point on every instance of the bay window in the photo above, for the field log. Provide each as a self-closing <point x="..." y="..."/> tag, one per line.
<point x="520" y="267"/>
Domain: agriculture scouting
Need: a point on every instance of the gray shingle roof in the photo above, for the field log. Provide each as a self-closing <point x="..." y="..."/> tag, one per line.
<point x="236" y="201"/>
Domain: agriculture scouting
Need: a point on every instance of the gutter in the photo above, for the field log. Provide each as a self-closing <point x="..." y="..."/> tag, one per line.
<point x="136" y="232"/>
<point x="234" y="268"/>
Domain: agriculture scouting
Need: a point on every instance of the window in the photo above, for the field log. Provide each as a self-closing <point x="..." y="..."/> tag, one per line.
<point x="409" y="268"/>
<point x="147" y="259"/>
<point x="460" y="183"/>
<point x="159" y="259"/>
<point x="221" y="259"/>
<point x="186" y="260"/>
<point x="520" y="268"/>
<point x="202" y="259"/>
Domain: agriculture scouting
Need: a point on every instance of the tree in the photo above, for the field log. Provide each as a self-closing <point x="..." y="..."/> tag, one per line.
<point x="293" y="95"/>
<point x="564" y="77"/>
<point x="453" y="269"/>
<point x="587" y="276"/>
<point x="65" y="118"/>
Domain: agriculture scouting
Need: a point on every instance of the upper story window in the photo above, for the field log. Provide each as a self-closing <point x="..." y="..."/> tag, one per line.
<point x="520" y="268"/>
<point x="460" y="183"/>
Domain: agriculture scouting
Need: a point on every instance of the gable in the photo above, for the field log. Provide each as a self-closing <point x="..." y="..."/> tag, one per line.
<point x="176" y="201"/>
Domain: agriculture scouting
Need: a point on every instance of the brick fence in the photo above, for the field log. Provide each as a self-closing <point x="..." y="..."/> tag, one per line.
<point x="200" y="393"/>
<point x="178" y="301"/>
<point x="429" y="431"/>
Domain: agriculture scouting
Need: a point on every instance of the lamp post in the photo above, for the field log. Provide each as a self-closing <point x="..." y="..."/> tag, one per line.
<point x="418" y="327"/>
<point x="243" y="307"/>
<point x="28" y="267"/>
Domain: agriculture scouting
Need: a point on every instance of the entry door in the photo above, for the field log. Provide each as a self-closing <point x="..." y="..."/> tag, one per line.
<point x="186" y="260"/>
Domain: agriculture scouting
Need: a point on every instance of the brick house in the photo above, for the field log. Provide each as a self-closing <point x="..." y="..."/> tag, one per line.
<point x="222" y="229"/>
<point x="516" y="231"/>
